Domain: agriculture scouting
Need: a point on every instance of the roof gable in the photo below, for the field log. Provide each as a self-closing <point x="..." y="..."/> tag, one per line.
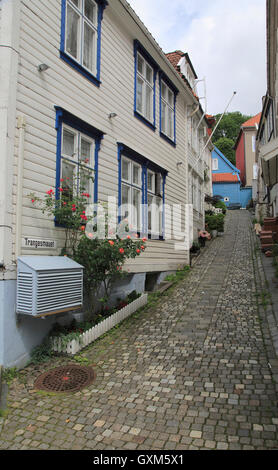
<point x="217" y="153"/>
<point x="253" y="121"/>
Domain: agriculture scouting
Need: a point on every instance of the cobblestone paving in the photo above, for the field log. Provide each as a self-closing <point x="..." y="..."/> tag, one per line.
<point x="191" y="373"/>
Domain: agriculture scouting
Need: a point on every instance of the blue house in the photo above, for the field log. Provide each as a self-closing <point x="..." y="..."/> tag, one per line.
<point x="226" y="181"/>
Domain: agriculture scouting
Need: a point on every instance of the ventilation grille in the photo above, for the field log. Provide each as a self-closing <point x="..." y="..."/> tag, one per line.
<point x="57" y="290"/>
<point x="48" y="285"/>
<point x="25" y="293"/>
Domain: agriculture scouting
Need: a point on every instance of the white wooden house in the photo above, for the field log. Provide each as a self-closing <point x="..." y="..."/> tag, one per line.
<point x="84" y="78"/>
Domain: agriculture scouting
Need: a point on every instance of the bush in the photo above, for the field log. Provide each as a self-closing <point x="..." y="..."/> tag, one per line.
<point x="103" y="261"/>
<point x="215" y="222"/>
<point x="221" y="205"/>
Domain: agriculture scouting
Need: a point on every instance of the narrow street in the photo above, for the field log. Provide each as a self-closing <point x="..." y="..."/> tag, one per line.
<point x="193" y="372"/>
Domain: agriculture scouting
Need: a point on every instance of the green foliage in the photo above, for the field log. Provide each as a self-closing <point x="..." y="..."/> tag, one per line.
<point x="9" y="374"/>
<point x="179" y="275"/>
<point x="221" y="205"/>
<point x="82" y="360"/>
<point x="215" y="222"/>
<point x="42" y="353"/>
<point x="229" y="126"/>
<point x="195" y="247"/>
<point x="226" y="146"/>
<point x="103" y="261"/>
<point x="69" y="211"/>
<point x="227" y="132"/>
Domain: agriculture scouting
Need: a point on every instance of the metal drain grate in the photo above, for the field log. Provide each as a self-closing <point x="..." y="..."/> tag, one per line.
<point x="69" y="378"/>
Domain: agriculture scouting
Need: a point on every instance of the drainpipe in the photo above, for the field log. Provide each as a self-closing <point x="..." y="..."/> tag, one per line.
<point x="21" y="124"/>
<point x="9" y="60"/>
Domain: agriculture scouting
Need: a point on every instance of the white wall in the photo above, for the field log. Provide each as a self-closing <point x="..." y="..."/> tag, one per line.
<point x="62" y="86"/>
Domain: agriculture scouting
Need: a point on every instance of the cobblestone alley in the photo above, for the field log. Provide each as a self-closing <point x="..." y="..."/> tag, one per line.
<point x="194" y="372"/>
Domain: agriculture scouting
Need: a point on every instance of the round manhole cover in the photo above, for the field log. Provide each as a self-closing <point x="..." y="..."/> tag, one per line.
<point x="69" y="378"/>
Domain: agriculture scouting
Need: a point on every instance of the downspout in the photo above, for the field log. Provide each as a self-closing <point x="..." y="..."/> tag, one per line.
<point x="9" y="59"/>
<point x="21" y="125"/>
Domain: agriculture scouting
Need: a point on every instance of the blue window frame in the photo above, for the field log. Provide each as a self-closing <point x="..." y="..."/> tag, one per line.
<point x="167" y="112"/>
<point x="81" y="36"/>
<point x="78" y="145"/>
<point x="141" y="193"/>
<point x="144" y="85"/>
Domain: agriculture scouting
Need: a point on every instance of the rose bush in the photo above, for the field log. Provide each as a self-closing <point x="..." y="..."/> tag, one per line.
<point x="103" y="261"/>
<point x="69" y="212"/>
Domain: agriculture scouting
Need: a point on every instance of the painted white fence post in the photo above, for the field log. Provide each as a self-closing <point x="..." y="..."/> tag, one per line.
<point x="98" y="330"/>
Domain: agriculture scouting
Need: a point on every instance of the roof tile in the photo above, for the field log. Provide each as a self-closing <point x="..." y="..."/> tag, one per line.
<point x="224" y="178"/>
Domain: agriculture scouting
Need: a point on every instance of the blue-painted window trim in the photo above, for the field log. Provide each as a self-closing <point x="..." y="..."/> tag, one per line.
<point x="65" y="117"/>
<point x="175" y="90"/>
<point x="125" y="151"/>
<point x="139" y="48"/>
<point x="70" y="60"/>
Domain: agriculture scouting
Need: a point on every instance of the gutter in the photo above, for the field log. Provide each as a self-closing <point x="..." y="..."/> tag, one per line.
<point x="21" y="125"/>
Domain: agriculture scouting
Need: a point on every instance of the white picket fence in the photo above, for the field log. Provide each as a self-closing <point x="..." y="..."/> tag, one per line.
<point x="75" y="345"/>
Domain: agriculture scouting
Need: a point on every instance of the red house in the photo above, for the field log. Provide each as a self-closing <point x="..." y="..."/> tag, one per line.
<point x="246" y="149"/>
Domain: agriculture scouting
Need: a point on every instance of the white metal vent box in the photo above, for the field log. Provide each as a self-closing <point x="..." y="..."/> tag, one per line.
<point x="48" y="285"/>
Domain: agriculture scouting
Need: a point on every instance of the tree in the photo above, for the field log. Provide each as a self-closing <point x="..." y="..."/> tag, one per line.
<point x="230" y="125"/>
<point x="227" y="132"/>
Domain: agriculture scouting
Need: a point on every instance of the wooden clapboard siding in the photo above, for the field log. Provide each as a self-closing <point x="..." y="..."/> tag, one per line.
<point x="61" y="85"/>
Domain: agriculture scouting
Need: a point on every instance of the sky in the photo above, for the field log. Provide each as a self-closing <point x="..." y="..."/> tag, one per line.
<point x="226" y="42"/>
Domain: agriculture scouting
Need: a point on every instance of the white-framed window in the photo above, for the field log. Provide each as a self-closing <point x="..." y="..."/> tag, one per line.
<point x="145" y="88"/>
<point x="167" y="111"/>
<point x="77" y="163"/>
<point x="81" y="32"/>
<point x="131" y="193"/>
<point x="215" y="164"/>
<point x="155" y="203"/>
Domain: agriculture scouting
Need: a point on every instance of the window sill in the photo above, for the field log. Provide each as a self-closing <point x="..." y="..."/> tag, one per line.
<point x="156" y="237"/>
<point x="78" y="67"/>
<point x="170" y="141"/>
<point x="145" y="121"/>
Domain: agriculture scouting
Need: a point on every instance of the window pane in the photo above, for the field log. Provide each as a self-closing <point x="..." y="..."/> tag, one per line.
<point x="125" y="170"/>
<point x="139" y="95"/>
<point x="73" y="32"/>
<point x="89" y="47"/>
<point x="159" y="202"/>
<point x="125" y="201"/>
<point x="150" y="211"/>
<point x="149" y="103"/>
<point x="136" y="202"/>
<point x="136" y="174"/>
<point x="163" y="90"/>
<point x="140" y="64"/>
<point x="76" y="3"/>
<point x="170" y="123"/>
<point x="170" y="98"/>
<point x="68" y="143"/>
<point x="163" y="117"/>
<point x="149" y="74"/>
<point x="86" y="152"/>
<point x="90" y="11"/>
<point x="68" y="177"/>
<point x="150" y="181"/>
<point x="85" y="181"/>
<point x="158" y="184"/>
